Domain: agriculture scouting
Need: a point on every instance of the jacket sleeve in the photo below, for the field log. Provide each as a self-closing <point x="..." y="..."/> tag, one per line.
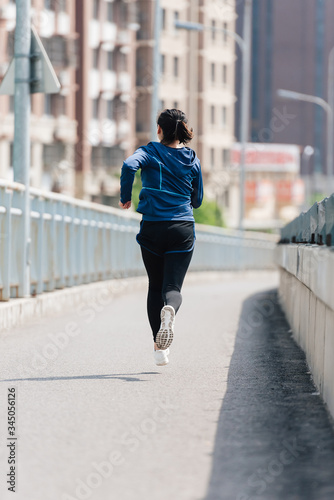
<point x="197" y="183"/>
<point x="130" y="166"/>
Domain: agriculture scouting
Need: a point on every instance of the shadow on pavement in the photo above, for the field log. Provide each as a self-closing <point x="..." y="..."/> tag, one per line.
<point x="275" y="438"/>
<point x="119" y="376"/>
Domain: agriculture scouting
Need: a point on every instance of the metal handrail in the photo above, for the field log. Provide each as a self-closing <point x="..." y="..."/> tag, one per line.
<point x="75" y="241"/>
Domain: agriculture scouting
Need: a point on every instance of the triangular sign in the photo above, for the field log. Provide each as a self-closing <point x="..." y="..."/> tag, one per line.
<point x="43" y="77"/>
<point x="7" y="86"/>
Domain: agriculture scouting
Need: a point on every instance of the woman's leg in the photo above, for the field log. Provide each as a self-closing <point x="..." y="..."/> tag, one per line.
<point x="155" y="268"/>
<point x="175" y="268"/>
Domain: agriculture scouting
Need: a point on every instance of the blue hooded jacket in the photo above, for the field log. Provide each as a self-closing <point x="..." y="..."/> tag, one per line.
<point x="171" y="182"/>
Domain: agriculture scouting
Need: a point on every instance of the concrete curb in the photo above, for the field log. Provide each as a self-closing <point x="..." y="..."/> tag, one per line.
<point x="16" y="312"/>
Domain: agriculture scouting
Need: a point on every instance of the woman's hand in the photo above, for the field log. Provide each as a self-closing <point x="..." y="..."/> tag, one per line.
<point x="126" y="205"/>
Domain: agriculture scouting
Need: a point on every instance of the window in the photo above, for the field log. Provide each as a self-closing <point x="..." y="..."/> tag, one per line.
<point x="224" y="74"/>
<point x="163" y="63"/>
<point x="212" y="158"/>
<point x="58" y="105"/>
<point x="62" y="5"/>
<point x="213" y="30"/>
<point x="56" y="48"/>
<point x="11" y="104"/>
<point x="110" y="61"/>
<point x="47" y="104"/>
<point x="53" y="154"/>
<point x="224" y="116"/>
<point x="110" y="16"/>
<point x="225" y="36"/>
<point x="176" y="66"/>
<point x="176" y="18"/>
<point x="163" y="22"/>
<point x="176" y="105"/>
<point x="226" y="157"/>
<point x="11" y="154"/>
<point x="110" y="110"/>
<point x="123" y="62"/>
<point x="123" y="14"/>
<point x="96" y="9"/>
<point x="213" y="72"/>
<point x="95" y="111"/>
<point x="212" y="115"/>
<point x="162" y="104"/>
<point x="95" y="58"/>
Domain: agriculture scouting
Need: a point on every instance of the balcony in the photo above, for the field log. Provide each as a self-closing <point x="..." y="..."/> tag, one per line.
<point x="124" y="82"/>
<point x="94" y="83"/>
<point x="109" y="33"/>
<point x="109" y="81"/>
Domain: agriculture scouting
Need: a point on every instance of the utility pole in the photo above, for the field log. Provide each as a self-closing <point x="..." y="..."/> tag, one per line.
<point x="245" y="102"/>
<point x="156" y="69"/>
<point x="22" y="105"/>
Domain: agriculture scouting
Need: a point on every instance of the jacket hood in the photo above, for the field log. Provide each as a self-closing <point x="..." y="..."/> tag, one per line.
<point x="185" y="156"/>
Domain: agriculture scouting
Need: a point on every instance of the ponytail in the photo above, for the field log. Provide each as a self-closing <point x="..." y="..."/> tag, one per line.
<point x="174" y="126"/>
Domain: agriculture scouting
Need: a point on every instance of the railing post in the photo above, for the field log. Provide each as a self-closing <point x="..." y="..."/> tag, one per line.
<point x="6" y="263"/>
<point x="52" y="247"/>
<point x="61" y="247"/>
<point x="40" y="240"/>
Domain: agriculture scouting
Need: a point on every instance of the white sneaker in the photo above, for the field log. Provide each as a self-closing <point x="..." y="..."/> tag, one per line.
<point x="161" y="357"/>
<point x="166" y="332"/>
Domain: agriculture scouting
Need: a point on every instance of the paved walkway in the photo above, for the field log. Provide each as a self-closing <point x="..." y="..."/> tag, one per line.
<point x="234" y="416"/>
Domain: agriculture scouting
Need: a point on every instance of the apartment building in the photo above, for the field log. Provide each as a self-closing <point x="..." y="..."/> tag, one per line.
<point x="53" y="123"/>
<point x="105" y="100"/>
<point x="197" y="76"/>
<point x="81" y="135"/>
<point x="216" y="104"/>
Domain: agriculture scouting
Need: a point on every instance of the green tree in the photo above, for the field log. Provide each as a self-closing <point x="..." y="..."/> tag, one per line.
<point x="209" y="213"/>
<point x="136" y="190"/>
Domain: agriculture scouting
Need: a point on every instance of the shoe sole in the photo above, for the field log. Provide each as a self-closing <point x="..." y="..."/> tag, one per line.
<point x="166" y="333"/>
<point x="162" y="364"/>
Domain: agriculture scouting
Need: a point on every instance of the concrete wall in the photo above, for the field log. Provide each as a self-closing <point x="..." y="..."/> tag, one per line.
<point x="306" y="295"/>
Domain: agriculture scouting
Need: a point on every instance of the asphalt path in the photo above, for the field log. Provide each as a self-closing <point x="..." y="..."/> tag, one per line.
<point x="234" y="415"/>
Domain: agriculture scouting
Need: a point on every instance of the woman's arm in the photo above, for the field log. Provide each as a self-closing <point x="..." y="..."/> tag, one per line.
<point x="130" y="166"/>
<point x="197" y="183"/>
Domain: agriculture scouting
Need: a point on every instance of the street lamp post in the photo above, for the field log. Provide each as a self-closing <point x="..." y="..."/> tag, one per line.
<point x="297" y="96"/>
<point x="244" y="45"/>
<point x="306" y="156"/>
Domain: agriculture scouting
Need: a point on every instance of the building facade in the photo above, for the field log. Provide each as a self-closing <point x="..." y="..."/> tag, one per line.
<point x="291" y="42"/>
<point x="106" y="99"/>
<point x="53" y="123"/>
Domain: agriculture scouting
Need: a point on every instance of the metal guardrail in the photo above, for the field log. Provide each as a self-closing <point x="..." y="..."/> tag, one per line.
<point x="315" y="226"/>
<point x="75" y="242"/>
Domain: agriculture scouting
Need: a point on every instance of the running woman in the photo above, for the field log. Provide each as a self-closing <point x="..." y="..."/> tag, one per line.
<point x="171" y="187"/>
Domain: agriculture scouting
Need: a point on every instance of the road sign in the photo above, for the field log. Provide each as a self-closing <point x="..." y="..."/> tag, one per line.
<point x="43" y="78"/>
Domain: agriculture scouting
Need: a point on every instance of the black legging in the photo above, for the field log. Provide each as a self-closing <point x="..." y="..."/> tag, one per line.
<point x="165" y="276"/>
